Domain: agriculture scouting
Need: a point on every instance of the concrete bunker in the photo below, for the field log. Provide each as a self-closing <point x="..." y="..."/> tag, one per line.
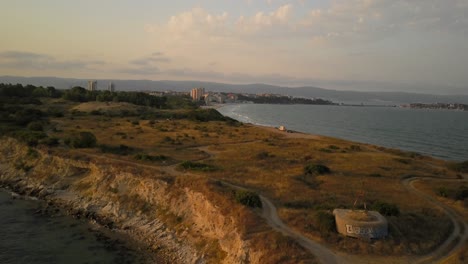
<point x="360" y="223"/>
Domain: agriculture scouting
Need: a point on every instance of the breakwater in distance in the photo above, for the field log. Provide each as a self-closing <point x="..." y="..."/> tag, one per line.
<point x="438" y="133"/>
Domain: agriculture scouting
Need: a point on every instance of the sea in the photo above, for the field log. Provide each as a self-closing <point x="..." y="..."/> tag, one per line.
<point x="438" y="133"/>
<point x="31" y="237"/>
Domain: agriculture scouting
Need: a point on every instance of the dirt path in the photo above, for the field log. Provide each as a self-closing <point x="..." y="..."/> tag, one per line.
<point x="459" y="235"/>
<point x="323" y="254"/>
<point x="454" y="242"/>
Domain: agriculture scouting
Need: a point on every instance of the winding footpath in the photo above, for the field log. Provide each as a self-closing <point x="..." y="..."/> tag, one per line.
<point x="323" y="254"/>
<point x="456" y="240"/>
<point x="459" y="235"/>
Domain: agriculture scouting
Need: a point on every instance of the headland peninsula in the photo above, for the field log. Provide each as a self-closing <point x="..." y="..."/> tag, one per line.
<point x="193" y="186"/>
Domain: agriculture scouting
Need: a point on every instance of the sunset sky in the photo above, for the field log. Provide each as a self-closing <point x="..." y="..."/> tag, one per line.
<point x="414" y="45"/>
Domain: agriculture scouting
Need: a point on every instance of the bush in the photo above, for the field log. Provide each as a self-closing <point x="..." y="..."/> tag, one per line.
<point x="387" y="209"/>
<point x="264" y="155"/>
<point x="190" y="165"/>
<point x="118" y="150"/>
<point x="54" y="112"/>
<point x="82" y="140"/>
<point x="316" y="169"/>
<point x="146" y="157"/>
<point x="460" y="167"/>
<point x="35" y="126"/>
<point x="50" y="141"/>
<point x="31" y="138"/>
<point x="248" y="198"/>
<point x="25" y="116"/>
<point x="442" y="191"/>
<point x="355" y="148"/>
<point x="205" y="115"/>
<point x="324" y="222"/>
<point x="461" y="193"/>
<point x="95" y="112"/>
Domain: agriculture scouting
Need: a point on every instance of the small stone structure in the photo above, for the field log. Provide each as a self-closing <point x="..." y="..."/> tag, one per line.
<point x="360" y="223"/>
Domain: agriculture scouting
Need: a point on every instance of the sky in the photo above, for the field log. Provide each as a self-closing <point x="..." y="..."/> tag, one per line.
<point x="378" y="45"/>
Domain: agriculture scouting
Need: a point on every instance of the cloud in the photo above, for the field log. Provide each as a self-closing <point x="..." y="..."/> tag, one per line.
<point x="368" y="19"/>
<point x="196" y="21"/>
<point x="153" y="58"/>
<point x="262" y="20"/>
<point x="38" y="61"/>
<point x="21" y="55"/>
<point x="146" y="65"/>
<point x="143" y="70"/>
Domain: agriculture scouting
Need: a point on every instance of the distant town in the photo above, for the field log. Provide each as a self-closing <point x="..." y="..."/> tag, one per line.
<point x="208" y="98"/>
<point x="461" y="107"/>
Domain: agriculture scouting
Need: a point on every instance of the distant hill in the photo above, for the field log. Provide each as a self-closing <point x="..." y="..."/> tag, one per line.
<point x="381" y="98"/>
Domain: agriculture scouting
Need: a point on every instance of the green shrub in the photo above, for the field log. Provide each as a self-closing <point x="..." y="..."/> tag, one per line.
<point x="460" y="167"/>
<point x="32" y="153"/>
<point x="25" y="116"/>
<point x="118" y="150"/>
<point x="387" y="209"/>
<point x="316" y="169"/>
<point x="264" y="155"/>
<point x="442" y="191"/>
<point x="95" y="112"/>
<point x="50" y="141"/>
<point x="325" y="150"/>
<point x="355" y="148"/>
<point x="54" y="112"/>
<point x="31" y="138"/>
<point x="146" y="157"/>
<point x="299" y="204"/>
<point x="248" y="198"/>
<point x="403" y="161"/>
<point x="324" y="222"/>
<point x="461" y="193"/>
<point x="82" y="140"/>
<point x="35" y="126"/>
<point x="190" y="165"/>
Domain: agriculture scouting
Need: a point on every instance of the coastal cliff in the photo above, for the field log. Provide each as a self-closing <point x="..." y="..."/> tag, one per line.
<point x="185" y="220"/>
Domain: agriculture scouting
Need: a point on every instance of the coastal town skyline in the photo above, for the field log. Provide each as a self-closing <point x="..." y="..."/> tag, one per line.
<point x="416" y="46"/>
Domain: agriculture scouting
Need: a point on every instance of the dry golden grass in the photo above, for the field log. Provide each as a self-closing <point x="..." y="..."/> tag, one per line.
<point x="433" y="187"/>
<point x="272" y="163"/>
<point x="106" y="107"/>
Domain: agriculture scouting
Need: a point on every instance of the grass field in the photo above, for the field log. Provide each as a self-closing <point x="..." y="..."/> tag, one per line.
<point x="272" y="163"/>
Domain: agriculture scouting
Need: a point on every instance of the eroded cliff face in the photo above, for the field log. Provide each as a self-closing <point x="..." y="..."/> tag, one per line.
<point x="149" y="205"/>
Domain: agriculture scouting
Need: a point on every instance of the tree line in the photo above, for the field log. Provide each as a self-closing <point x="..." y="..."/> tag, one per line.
<point x="30" y="94"/>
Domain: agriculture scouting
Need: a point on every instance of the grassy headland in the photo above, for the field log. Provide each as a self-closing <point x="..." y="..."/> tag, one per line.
<point x="171" y="139"/>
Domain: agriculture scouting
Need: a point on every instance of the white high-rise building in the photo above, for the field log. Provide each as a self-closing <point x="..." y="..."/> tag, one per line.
<point x="197" y="93"/>
<point x="111" y="87"/>
<point x="92" y="85"/>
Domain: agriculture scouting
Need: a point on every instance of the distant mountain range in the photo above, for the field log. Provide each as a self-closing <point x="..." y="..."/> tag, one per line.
<point x="351" y="97"/>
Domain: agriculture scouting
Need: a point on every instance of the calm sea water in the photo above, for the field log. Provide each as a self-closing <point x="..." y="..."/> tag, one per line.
<point x="438" y="133"/>
<point x="27" y="237"/>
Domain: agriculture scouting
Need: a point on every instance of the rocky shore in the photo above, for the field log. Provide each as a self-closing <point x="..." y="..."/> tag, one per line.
<point x="57" y="181"/>
<point x="166" y="221"/>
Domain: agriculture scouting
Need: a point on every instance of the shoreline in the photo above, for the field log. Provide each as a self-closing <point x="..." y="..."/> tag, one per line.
<point x="452" y="155"/>
<point x="115" y="239"/>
